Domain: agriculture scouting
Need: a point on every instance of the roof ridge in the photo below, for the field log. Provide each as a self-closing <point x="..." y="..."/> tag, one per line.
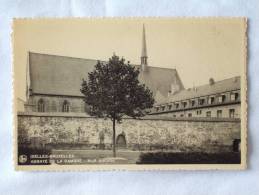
<point x="46" y="54"/>
<point x="56" y="55"/>
<point x="162" y="68"/>
<point x="216" y="82"/>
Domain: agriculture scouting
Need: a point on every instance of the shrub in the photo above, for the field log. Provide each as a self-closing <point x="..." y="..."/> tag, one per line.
<point x="189" y="158"/>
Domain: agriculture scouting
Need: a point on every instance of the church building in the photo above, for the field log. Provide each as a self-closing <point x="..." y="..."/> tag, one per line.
<point x="54" y="82"/>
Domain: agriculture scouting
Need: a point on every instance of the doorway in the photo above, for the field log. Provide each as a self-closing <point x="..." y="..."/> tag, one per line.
<point x="121" y="141"/>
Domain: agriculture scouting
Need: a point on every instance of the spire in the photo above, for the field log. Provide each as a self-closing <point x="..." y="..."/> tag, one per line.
<point x="144" y="51"/>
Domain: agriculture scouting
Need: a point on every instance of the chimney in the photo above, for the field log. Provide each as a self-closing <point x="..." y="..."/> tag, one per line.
<point x="211" y="81"/>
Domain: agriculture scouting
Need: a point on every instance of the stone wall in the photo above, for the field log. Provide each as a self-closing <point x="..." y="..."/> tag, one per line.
<point x="182" y="135"/>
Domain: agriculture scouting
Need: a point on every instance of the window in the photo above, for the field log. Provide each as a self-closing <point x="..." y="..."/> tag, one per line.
<point x="198" y="112"/>
<point x="211" y="100"/>
<point x="190" y="115"/>
<point x="220" y="99"/>
<point x="181" y="115"/>
<point x="65" y="107"/>
<point x="41" y="106"/>
<point x="169" y="107"/>
<point x="234" y="97"/>
<point x="223" y="98"/>
<point x="201" y="101"/>
<point x="177" y="105"/>
<point x="184" y="104"/>
<point x="231" y="113"/>
<point x="193" y="102"/>
<point x="174" y="116"/>
<point x="219" y="113"/>
<point x="208" y="114"/>
<point x="157" y="109"/>
<point x="163" y="108"/>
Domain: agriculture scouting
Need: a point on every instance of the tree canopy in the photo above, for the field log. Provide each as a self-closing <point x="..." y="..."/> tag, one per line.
<point x="113" y="90"/>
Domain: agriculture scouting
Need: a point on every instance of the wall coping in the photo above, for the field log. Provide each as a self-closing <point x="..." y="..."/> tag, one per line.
<point x="147" y="117"/>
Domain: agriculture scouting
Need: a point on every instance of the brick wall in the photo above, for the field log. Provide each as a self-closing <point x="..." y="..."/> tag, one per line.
<point x="183" y="135"/>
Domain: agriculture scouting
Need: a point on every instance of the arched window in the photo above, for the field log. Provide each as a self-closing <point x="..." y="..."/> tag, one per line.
<point x="65" y="107"/>
<point x="41" y="106"/>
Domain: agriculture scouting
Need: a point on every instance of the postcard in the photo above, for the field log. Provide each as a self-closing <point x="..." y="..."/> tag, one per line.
<point x="130" y="94"/>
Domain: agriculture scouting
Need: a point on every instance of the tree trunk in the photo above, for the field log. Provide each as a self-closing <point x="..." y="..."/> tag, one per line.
<point x="113" y="138"/>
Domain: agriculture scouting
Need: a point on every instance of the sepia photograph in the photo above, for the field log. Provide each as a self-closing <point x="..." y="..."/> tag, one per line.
<point x="130" y="94"/>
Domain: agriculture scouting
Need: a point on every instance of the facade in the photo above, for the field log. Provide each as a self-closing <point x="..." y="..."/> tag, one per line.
<point x="217" y="100"/>
<point x="54" y="82"/>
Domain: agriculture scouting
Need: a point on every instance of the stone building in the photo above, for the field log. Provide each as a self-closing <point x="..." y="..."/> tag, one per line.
<point x="219" y="99"/>
<point x="54" y="82"/>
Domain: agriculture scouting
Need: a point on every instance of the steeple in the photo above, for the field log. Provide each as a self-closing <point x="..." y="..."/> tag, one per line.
<point x="144" y="51"/>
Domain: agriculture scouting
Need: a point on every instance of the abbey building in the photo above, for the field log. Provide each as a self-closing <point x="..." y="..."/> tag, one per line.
<point x="54" y="82"/>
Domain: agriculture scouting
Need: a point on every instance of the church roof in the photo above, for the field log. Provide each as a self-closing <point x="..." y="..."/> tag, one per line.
<point x="222" y="86"/>
<point x="159" y="80"/>
<point x="60" y="75"/>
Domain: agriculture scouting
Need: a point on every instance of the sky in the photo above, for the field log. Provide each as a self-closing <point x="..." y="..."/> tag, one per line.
<point x="198" y="48"/>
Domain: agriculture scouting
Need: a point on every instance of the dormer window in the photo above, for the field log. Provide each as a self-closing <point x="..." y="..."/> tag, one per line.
<point x="234" y="97"/>
<point x="222" y="98"/>
<point x="201" y="101"/>
<point x="184" y="104"/>
<point x="169" y="107"/>
<point x="193" y="102"/>
<point x="163" y="108"/>
<point x="211" y="100"/>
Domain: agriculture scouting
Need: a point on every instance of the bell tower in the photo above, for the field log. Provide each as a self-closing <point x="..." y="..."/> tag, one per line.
<point x="144" y="57"/>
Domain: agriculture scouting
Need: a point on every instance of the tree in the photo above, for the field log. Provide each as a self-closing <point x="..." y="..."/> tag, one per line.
<point x="113" y="90"/>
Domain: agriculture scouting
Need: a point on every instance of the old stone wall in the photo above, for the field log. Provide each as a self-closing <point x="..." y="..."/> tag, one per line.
<point x="178" y="134"/>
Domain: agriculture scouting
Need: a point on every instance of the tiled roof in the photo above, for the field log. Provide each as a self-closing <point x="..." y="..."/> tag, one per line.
<point x="160" y="79"/>
<point x="230" y="84"/>
<point x="60" y="75"/>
